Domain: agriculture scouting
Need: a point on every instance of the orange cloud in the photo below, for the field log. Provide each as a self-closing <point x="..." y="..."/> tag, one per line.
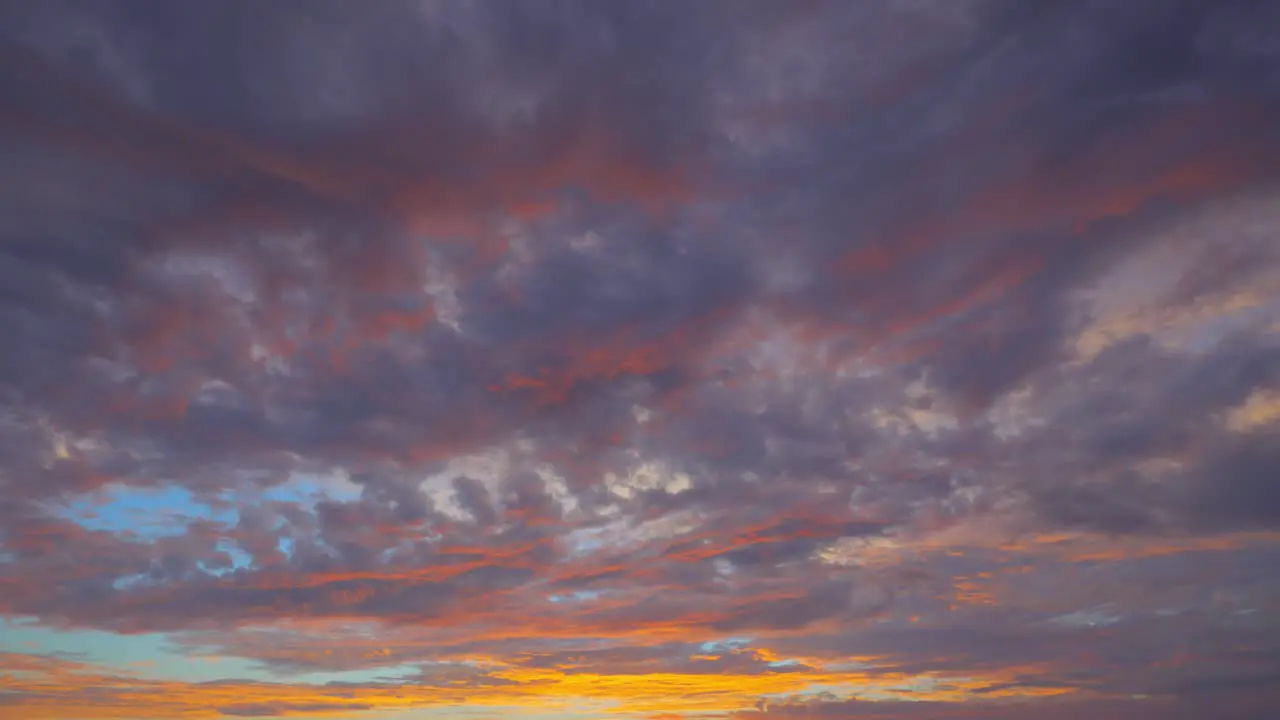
<point x="43" y="688"/>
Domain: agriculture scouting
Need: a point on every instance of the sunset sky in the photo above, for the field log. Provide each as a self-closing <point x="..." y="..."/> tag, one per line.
<point x="640" y="359"/>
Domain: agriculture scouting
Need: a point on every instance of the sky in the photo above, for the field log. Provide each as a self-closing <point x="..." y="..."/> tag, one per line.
<point x="640" y="359"/>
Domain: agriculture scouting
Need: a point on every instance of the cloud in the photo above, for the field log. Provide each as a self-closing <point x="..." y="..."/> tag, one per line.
<point x="284" y="709"/>
<point x="653" y="358"/>
<point x="1048" y="709"/>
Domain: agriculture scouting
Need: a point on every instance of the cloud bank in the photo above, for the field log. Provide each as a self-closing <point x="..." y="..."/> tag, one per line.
<point x="744" y="360"/>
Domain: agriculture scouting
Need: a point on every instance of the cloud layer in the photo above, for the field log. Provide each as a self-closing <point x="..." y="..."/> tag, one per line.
<point x="748" y="360"/>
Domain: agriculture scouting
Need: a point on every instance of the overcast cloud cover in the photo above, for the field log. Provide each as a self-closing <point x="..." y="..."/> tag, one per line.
<point x="661" y="360"/>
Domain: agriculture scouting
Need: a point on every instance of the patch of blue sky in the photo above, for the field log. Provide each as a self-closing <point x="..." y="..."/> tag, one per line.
<point x="726" y="644"/>
<point x="578" y="596"/>
<point x="148" y="655"/>
<point x="146" y="512"/>
<point x="310" y="488"/>
<point x="151" y="513"/>
<point x="826" y="690"/>
<point x="586" y="541"/>
<point x="127" y="582"/>
<point x="152" y="655"/>
<point x="240" y="558"/>
<point x="392" y="675"/>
